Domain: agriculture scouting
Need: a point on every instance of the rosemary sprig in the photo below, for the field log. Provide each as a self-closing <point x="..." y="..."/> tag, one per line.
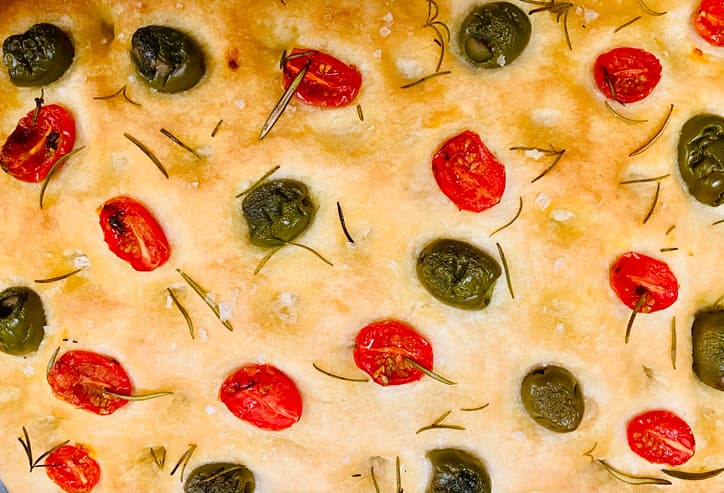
<point x="668" y="249"/>
<point x="52" y="171"/>
<point x="426" y="78"/>
<point x="53" y="357"/>
<point x="648" y="9"/>
<point x="138" y="397"/>
<point x="653" y="203"/>
<point x="148" y="153"/>
<point x="559" y="9"/>
<point x="398" y="476"/>
<point x="344" y="225"/>
<point x="429" y="373"/>
<point x="636" y="309"/>
<point x="644" y="180"/>
<point x="673" y="343"/>
<point x="122" y="91"/>
<point x="645" y="146"/>
<point x="505" y="269"/>
<point x="517" y="215"/>
<point x="223" y="472"/>
<point x="626" y="24"/>
<point x="183" y="311"/>
<point x="58" y="278"/>
<point x="552" y="151"/>
<point x="438" y="424"/>
<point x="720" y="221"/>
<point x="183" y="461"/>
<point x="178" y="142"/>
<point x="204" y="294"/>
<point x="216" y="128"/>
<point x="28" y="448"/>
<point x="589" y="452"/>
<point x="285" y="59"/>
<point x="479" y="408"/>
<point x="630" y="478"/>
<point x="620" y="116"/>
<point x="693" y="476"/>
<point x="339" y="377"/>
<point x="281" y="105"/>
<point x="671" y="228"/>
<point x="360" y="114"/>
<point x="159" y="456"/>
<point x="374" y="479"/>
<point x="611" y="86"/>
<point x="265" y="259"/>
<point x="259" y="181"/>
<point x="439" y="27"/>
<point x="38" y="104"/>
<point x="269" y="255"/>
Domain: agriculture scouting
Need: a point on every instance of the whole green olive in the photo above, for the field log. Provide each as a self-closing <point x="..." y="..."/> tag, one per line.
<point x="707" y="338"/>
<point x="38" y="56"/>
<point x="22" y="321"/>
<point x="553" y="397"/>
<point x="701" y="158"/>
<point x="167" y="59"/>
<point x="220" y="477"/>
<point x="457" y="471"/>
<point x="277" y="211"/>
<point x="458" y="273"/>
<point x="494" y="34"/>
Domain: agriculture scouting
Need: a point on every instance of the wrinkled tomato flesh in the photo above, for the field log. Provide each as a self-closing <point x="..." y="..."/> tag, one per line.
<point x="709" y="21"/>
<point x="627" y="74"/>
<point x="328" y="82"/>
<point x="382" y="350"/>
<point x="32" y="149"/>
<point x="262" y="395"/>
<point x="84" y="378"/>
<point x="468" y="173"/>
<point x="73" y="469"/>
<point x="661" y="437"/>
<point x="634" y="275"/>
<point x="133" y="234"/>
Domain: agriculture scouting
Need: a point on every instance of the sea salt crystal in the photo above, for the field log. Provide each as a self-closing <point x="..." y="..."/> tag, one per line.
<point x="81" y="262"/>
<point x="408" y="67"/>
<point x="210" y="410"/>
<point x="378" y="54"/>
<point x="240" y="103"/>
<point x="542" y="201"/>
<point x="28" y="371"/>
<point x="562" y="215"/>
<point x="388" y="18"/>
<point x="534" y="154"/>
<point x="225" y="311"/>
<point x="385" y="31"/>
<point x="501" y="60"/>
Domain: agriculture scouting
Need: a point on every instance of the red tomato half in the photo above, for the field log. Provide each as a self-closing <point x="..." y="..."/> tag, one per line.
<point x="31" y="151"/>
<point x="328" y="82"/>
<point x="262" y="395"/>
<point x="661" y="437"/>
<point x="380" y="350"/>
<point x="133" y="234"/>
<point x="468" y="173"/>
<point x="73" y="469"/>
<point x="634" y="274"/>
<point x="709" y="21"/>
<point x="84" y="378"/>
<point x="631" y="72"/>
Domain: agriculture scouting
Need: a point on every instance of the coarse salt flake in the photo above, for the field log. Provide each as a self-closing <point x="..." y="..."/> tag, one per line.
<point x="203" y="335"/>
<point x="225" y="311"/>
<point x="547" y="117"/>
<point x="562" y="215"/>
<point x="377" y="53"/>
<point x="385" y="31"/>
<point x="388" y="18"/>
<point x="589" y="15"/>
<point x="28" y="371"/>
<point x="240" y="103"/>
<point x="542" y="201"/>
<point x="501" y="60"/>
<point x="534" y="154"/>
<point x="210" y="410"/>
<point x="408" y="67"/>
<point x="81" y="261"/>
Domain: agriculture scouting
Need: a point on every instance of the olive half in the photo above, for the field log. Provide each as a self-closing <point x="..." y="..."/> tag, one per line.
<point x="457" y="471"/>
<point x="277" y="211"/>
<point x="701" y="158"/>
<point x="167" y="59"/>
<point x="458" y="273"/>
<point x="553" y="397"/>
<point x="707" y="338"/>
<point x="38" y="56"/>
<point x="494" y="34"/>
<point x="220" y="477"/>
<point x="22" y="321"/>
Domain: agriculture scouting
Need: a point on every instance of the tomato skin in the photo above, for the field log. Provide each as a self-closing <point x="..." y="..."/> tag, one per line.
<point x="81" y="378"/>
<point x="31" y="151"/>
<point x="634" y="274"/>
<point x="328" y="82"/>
<point x="73" y="469"/>
<point x="633" y="73"/>
<point x="709" y="21"/>
<point x="661" y="437"/>
<point x="380" y="349"/>
<point x="262" y="395"/>
<point x="133" y="234"/>
<point x="468" y="173"/>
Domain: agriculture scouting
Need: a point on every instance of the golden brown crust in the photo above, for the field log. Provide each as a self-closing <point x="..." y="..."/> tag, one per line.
<point x="298" y="311"/>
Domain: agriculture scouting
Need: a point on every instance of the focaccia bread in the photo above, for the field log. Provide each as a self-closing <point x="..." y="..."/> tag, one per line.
<point x="581" y="212"/>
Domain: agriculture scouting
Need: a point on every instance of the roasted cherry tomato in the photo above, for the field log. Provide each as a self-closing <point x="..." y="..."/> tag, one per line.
<point x="38" y="56"/>
<point x="73" y="469"/>
<point x="634" y="275"/>
<point x="262" y="395"/>
<point x="468" y="173"/>
<point x="627" y="74"/>
<point x="31" y="150"/>
<point x="328" y="82"/>
<point x="84" y="379"/>
<point x="661" y="437"/>
<point x="381" y="349"/>
<point x="133" y="234"/>
<point x="709" y="21"/>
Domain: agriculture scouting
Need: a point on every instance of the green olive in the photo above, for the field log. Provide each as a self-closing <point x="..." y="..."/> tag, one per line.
<point x="277" y="211"/>
<point x="457" y="471"/>
<point x="701" y="158"/>
<point x="22" y="321"/>
<point x="39" y="56"/>
<point x="220" y="477"/>
<point x="707" y="338"/>
<point x="494" y="34"/>
<point x="458" y="273"/>
<point x="553" y="397"/>
<point x="168" y="60"/>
